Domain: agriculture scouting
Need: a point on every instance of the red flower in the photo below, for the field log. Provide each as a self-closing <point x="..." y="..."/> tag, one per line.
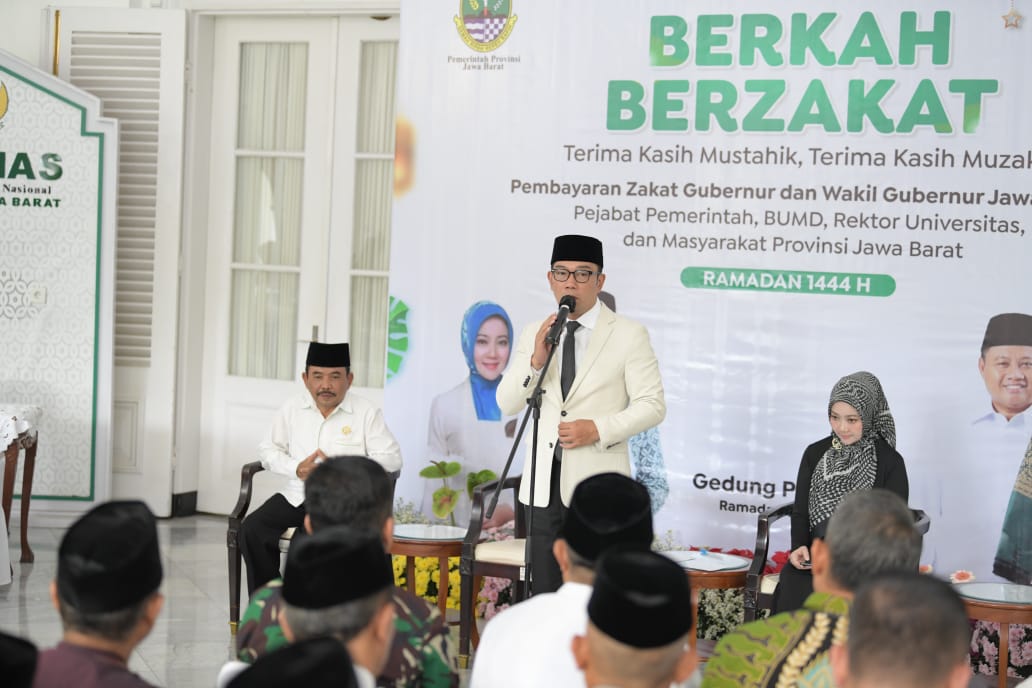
<point x="777" y="562"/>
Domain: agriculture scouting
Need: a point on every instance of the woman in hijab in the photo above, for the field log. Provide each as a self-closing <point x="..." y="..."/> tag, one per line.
<point x="466" y="425"/>
<point x="859" y="454"/>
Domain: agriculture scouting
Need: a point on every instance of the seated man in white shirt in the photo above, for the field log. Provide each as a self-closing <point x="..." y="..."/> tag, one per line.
<point x="639" y="617"/>
<point x="528" y="644"/>
<point x="323" y="421"/>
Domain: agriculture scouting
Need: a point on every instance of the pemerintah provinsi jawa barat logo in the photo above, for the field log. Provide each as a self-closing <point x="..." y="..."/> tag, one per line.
<point x="485" y="24"/>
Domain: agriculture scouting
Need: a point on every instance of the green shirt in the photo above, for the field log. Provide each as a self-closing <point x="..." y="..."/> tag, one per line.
<point x="787" y="649"/>
<point x="420" y="654"/>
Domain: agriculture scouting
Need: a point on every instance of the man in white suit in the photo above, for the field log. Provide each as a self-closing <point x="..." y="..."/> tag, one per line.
<point x="612" y="391"/>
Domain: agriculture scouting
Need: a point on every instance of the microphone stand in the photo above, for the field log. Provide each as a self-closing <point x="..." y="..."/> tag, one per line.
<point x="533" y="410"/>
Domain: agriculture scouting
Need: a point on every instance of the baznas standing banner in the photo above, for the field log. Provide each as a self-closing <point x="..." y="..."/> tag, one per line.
<point x="787" y="192"/>
<point x="58" y="164"/>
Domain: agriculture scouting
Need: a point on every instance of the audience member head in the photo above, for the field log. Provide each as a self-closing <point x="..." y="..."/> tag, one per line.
<point x="108" y="574"/>
<point x="17" y="661"/>
<point x="338" y="582"/>
<point x="605" y="510"/>
<point x="639" y="617"/>
<point x="316" y="663"/>
<point x="871" y="532"/>
<point x="906" y="630"/>
<point x="348" y="490"/>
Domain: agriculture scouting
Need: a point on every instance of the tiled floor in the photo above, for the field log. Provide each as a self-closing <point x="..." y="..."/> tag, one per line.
<point x="191" y="639"/>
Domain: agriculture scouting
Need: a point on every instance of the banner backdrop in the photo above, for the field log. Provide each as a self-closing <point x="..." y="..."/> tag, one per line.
<point x="787" y="192"/>
<point x="58" y="166"/>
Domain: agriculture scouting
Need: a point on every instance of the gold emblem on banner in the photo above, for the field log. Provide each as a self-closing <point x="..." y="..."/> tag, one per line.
<point x="3" y="99"/>
<point x="404" y="148"/>
<point x="484" y="25"/>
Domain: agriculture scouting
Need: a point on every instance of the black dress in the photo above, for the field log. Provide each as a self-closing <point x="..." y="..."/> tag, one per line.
<point x="891" y="473"/>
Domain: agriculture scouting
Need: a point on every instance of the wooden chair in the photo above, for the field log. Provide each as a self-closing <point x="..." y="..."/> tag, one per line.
<point x="236" y="517"/>
<point x="504" y="559"/>
<point x="759" y="588"/>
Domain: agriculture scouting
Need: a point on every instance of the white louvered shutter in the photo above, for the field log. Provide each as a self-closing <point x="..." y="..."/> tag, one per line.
<point x="134" y="60"/>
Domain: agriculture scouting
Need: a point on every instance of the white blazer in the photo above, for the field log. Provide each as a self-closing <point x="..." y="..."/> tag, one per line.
<point x="617" y="385"/>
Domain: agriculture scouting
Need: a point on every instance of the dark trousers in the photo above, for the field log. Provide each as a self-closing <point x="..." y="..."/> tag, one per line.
<point x="546" y="576"/>
<point x="259" y="538"/>
<point x="794" y="586"/>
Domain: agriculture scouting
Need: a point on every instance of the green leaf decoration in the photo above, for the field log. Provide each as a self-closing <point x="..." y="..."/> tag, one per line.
<point x="445" y="500"/>
<point x="432" y="471"/>
<point x="478" y="478"/>
<point x="441" y="469"/>
<point x="397" y="336"/>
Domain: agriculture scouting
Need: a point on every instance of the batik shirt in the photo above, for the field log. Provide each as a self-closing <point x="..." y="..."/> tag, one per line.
<point x="420" y="654"/>
<point x="787" y="649"/>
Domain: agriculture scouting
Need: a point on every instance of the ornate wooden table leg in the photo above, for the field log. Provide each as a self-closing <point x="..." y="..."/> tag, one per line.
<point x="10" y="468"/>
<point x="26" y="496"/>
<point x="443" y="572"/>
<point x="410" y="573"/>
<point x="1001" y="678"/>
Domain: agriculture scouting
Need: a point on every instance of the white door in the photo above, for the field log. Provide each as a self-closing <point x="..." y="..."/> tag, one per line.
<point x="290" y="197"/>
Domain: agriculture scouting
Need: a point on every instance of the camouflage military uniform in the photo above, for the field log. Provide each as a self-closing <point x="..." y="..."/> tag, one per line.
<point x="420" y="654"/>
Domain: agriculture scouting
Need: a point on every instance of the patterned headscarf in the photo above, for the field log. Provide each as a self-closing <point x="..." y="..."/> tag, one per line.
<point x="846" y="468"/>
<point x="483" y="390"/>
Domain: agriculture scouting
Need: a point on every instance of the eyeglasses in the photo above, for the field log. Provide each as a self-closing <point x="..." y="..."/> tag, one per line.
<point x="581" y="276"/>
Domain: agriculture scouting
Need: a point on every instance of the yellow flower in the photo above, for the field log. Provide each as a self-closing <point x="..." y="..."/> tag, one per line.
<point x="398" y="564"/>
<point x="428" y="578"/>
<point x="422" y="581"/>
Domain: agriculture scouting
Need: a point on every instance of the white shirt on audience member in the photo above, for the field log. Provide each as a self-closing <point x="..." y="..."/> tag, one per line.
<point x="528" y="645"/>
<point x="364" y="677"/>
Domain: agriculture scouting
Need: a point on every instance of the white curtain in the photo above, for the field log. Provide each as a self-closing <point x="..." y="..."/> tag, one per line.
<point x="267" y="214"/>
<point x="374" y="179"/>
<point x="267" y="227"/>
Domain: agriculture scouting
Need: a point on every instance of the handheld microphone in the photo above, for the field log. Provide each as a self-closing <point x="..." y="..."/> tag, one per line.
<point x="566" y="304"/>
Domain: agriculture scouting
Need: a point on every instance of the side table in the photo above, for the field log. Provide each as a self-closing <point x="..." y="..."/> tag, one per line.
<point x="709" y="570"/>
<point x="418" y="540"/>
<point x="19" y="429"/>
<point x="1004" y="603"/>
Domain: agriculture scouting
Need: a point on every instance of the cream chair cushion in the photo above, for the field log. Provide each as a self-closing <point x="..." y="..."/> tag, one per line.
<point x="769" y="582"/>
<point x="502" y="552"/>
<point x="284" y="539"/>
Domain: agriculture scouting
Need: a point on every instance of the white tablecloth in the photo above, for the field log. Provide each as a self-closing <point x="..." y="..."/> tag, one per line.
<point x="17" y="420"/>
